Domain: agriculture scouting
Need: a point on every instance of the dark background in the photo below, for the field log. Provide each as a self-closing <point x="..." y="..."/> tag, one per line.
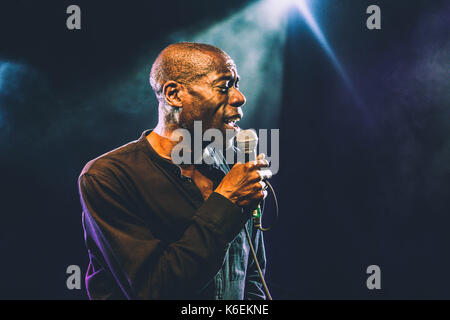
<point x="361" y="182"/>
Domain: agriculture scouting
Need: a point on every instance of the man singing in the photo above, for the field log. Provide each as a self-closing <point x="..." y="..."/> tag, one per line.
<point x="158" y="230"/>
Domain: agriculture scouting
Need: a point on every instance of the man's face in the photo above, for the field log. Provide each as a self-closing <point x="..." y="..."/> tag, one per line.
<point x="214" y="99"/>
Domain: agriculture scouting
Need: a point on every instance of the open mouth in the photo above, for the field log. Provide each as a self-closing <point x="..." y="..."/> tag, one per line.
<point x="230" y="122"/>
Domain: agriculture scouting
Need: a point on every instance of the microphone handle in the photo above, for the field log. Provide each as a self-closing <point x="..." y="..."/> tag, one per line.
<point x="251" y="155"/>
<point x="257" y="212"/>
<point x="257" y="217"/>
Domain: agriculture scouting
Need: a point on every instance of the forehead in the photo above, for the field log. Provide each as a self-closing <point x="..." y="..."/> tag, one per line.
<point x="223" y="68"/>
<point x="227" y="65"/>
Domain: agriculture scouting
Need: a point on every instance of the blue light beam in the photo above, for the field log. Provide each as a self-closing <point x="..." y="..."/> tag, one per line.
<point x="306" y="13"/>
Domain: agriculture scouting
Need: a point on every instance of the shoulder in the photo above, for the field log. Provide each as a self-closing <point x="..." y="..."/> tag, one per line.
<point x="117" y="163"/>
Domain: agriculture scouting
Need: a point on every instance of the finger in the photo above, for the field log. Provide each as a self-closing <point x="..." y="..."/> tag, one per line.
<point x="260" y="164"/>
<point x="256" y="164"/>
<point x="260" y="195"/>
<point x="254" y="177"/>
<point x="251" y="164"/>
<point x="265" y="174"/>
<point x="261" y="156"/>
<point x="263" y="185"/>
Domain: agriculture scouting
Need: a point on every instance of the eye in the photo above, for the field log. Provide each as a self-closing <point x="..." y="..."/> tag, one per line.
<point x="224" y="89"/>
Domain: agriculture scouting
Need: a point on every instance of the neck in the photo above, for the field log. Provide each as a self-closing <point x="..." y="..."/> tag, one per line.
<point x="161" y="139"/>
<point x="161" y="142"/>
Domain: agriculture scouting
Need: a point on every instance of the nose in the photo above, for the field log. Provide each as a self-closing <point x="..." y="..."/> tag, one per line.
<point x="237" y="98"/>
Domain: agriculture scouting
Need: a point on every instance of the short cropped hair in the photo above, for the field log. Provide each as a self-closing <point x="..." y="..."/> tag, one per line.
<point x="183" y="62"/>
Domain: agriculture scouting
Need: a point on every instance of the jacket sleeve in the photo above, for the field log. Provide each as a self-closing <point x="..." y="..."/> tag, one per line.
<point x="253" y="286"/>
<point x="152" y="268"/>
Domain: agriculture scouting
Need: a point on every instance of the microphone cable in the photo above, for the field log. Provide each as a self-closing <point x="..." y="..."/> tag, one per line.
<point x="261" y="276"/>
<point x="258" y="224"/>
<point x="257" y="214"/>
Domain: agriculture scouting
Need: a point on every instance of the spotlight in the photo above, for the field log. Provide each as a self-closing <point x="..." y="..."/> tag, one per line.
<point x="303" y="8"/>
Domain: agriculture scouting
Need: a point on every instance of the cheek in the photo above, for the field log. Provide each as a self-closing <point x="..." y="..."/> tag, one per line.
<point x="217" y="118"/>
<point x="198" y="113"/>
<point x="212" y="111"/>
<point x="209" y="108"/>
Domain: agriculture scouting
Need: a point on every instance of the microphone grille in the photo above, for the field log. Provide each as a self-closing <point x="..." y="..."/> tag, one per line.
<point x="247" y="140"/>
<point x="246" y="136"/>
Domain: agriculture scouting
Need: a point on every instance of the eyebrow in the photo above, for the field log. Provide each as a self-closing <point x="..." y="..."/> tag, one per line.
<point x="227" y="77"/>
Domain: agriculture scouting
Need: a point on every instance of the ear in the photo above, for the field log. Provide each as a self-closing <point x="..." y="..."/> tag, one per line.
<point x="172" y="93"/>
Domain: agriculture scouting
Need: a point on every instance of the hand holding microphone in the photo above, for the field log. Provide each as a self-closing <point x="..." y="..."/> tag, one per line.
<point x="244" y="184"/>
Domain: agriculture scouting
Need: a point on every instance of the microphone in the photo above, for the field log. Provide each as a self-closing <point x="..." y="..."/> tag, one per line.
<point x="246" y="142"/>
